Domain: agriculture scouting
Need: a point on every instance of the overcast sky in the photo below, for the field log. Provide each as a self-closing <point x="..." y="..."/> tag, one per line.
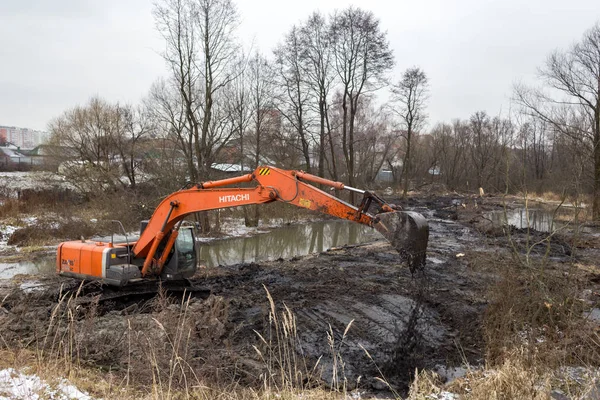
<point x="57" y="54"/>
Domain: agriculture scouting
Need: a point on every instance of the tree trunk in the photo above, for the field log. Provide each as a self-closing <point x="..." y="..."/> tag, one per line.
<point x="596" y="201"/>
<point x="406" y="165"/>
<point x="321" y="171"/>
<point x="351" y="179"/>
<point x="332" y="148"/>
<point x="345" y="131"/>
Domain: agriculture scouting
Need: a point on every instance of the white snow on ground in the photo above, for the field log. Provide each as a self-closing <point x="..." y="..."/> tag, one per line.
<point x="32" y="286"/>
<point x="5" y="233"/>
<point x="30" y="220"/>
<point x="11" y="182"/>
<point x="444" y="396"/>
<point x="15" y="385"/>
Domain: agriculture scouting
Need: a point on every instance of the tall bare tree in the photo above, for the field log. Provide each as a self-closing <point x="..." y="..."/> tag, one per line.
<point x="132" y="126"/>
<point x="482" y="146"/>
<point x="293" y="94"/>
<point x="199" y="48"/>
<point x="239" y="107"/>
<point x="217" y="21"/>
<point x="362" y="57"/>
<point x="572" y="103"/>
<point x="409" y="98"/>
<point x="450" y="144"/>
<point x="175" y="22"/>
<point x="263" y="113"/>
<point x="318" y="58"/>
<point x="166" y="107"/>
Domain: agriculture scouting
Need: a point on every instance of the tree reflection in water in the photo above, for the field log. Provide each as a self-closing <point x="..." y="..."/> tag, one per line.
<point x="285" y="242"/>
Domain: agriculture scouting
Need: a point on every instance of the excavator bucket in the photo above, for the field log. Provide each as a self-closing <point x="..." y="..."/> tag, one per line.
<point x="408" y="232"/>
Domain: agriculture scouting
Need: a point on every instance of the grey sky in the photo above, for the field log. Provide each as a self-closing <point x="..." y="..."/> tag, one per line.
<point x="56" y="54"/>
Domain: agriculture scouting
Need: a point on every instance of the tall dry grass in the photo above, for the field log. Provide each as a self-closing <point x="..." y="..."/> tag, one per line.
<point x="167" y="369"/>
<point x="280" y="350"/>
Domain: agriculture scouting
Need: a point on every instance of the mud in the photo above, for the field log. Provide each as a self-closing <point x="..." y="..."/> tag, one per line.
<point x="398" y="320"/>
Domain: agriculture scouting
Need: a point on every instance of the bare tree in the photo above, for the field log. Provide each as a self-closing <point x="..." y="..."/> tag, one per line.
<point x="450" y="143"/>
<point x="373" y="140"/>
<point x="318" y="60"/>
<point x="200" y="45"/>
<point x="263" y="113"/>
<point x="217" y="21"/>
<point x="239" y="107"/>
<point x="409" y="97"/>
<point x="572" y="105"/>
<point x="362" y="57"/>
<point x="105" y="138"/>
<point x="132" y="125"/>
<point x="293" y="94"/>
<point x="482" y="146"/>
<point x="166" y="107"/>
<point x="174" y="20"/>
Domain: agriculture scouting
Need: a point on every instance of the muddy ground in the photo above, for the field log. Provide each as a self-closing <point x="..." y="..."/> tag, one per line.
<point x="400" y="321"/>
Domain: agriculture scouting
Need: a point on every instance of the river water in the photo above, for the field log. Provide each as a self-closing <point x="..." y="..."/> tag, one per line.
<point x="540" y="219"/>
<point x="282" y="242"/>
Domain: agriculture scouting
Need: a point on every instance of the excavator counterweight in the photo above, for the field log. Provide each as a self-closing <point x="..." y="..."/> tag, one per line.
<point x="167" y="250"/>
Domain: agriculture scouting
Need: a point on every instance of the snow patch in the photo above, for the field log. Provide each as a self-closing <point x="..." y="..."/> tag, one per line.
<point x="446" y="396"/>
<point x="6" y="232"/>
<point x="12" y="182"/>
<point x="32" y="286"/>
<point x="30" y="220"/>
<point x="17" y="385"/>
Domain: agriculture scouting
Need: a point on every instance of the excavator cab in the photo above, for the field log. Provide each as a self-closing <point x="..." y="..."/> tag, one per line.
<point x="183" y="261"/>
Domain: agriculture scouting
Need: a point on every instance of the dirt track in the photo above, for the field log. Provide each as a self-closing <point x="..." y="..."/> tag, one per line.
<point x="404" y="321"/>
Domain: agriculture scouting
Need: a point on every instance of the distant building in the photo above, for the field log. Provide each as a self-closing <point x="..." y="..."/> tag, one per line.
<point x="24" y="138"/>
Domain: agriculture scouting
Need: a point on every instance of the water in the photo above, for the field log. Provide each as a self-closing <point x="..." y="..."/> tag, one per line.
<point x="283" y="242"/>
<point x="542" y="220"/>
<point x="41" y="266"/>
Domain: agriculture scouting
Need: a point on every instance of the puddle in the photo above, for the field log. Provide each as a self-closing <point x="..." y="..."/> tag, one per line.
<point x="542" y="220"/>
<point x="283" y="242"/>
<point x="42" y="266"/>
<point x="594" y="315"/>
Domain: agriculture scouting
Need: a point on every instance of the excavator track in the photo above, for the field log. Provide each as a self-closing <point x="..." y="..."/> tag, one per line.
<point x="135" y="295"/>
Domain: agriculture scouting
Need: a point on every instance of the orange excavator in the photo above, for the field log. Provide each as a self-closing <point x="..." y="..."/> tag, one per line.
<point x="167" y="250"/>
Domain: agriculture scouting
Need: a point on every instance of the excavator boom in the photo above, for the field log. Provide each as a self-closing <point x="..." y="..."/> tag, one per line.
<point x="407" y="231"/>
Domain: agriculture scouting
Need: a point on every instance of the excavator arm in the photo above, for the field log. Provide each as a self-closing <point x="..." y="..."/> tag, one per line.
<point x="407" y="231"/>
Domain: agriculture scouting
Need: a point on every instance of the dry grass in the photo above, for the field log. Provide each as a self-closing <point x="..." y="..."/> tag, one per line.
<point x="536" y="306"/>
<point x="539" y="308"/>
<point x="158" y="353"/>
<point x="280" y="350"/>
<point x="512" y="379"/>
<point x="158" y="363"/>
